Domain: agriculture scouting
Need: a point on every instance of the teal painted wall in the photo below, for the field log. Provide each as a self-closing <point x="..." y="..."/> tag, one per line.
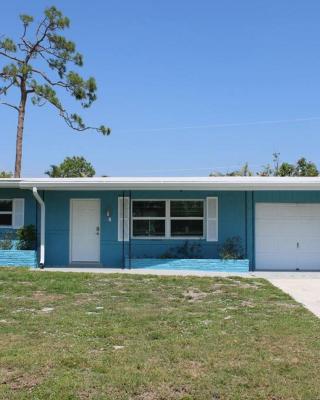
<point x="232" y="222"/>
<point x="290" y="196"/>
<point x="18" y="258"/>
<point x="236" y="218"/>
<point x="30" y="210"/>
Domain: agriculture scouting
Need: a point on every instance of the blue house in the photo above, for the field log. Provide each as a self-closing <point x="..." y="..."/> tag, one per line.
<point x="103" y="221"/>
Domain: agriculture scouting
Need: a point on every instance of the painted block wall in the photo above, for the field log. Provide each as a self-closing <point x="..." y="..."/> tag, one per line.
<point x="18" y="258"/>
<point x="30" y="205"/>
<point x="236" y="218"/>
<point x="231" y="219"/>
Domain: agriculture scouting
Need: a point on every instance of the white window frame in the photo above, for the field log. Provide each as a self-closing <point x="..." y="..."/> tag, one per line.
<point x="167" y="218"/>
<point x="7" y="213"/>
<point x="188" y="218"/>
<point x="147" y="219"/>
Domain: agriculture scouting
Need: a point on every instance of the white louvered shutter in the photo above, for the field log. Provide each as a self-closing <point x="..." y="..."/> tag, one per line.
<point x="18" y="213"/>
<point x="212" y="219"/>
<point x="123" y="218"/>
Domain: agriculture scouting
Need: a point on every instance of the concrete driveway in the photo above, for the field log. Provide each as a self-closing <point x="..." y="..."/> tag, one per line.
<point x="303" y="287"/>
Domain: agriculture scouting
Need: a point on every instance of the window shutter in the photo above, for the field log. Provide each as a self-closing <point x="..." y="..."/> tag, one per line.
<point x="18" y="213"/>
<point x="212" y="219"/>
<point x="123" y="218"/>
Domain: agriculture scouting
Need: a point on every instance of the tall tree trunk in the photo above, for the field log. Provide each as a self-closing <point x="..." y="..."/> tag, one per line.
<point x="21" y="114"/>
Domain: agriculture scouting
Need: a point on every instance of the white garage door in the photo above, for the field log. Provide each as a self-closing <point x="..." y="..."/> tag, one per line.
<point x="287" y="236"/>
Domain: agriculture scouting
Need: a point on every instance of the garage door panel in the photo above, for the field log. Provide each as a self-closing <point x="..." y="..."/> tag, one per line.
<point x="310" y="245"/>
<point x="309" y="228"/>
<point x="268" y="261"/>
<point x="273" y="244"/>
<point x="287" y="236"/>
<point x="308" y="261"/>
<point x="309" y="210"/>
<point x="270" y="211"/>
<point x="273" y="228"/>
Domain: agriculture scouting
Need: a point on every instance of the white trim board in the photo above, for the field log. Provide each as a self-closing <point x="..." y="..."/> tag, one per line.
<point x="167" y="183"/>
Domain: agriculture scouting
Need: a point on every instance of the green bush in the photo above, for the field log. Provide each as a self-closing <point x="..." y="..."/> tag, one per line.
<point x="187" y="250"/>
<point x="27" y="238"/>
<point x="7" y="242"/>
<point x="231" y="249"/>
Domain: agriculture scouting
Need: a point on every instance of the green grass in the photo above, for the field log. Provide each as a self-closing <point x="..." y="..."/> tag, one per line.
<point x="85" y="336"/>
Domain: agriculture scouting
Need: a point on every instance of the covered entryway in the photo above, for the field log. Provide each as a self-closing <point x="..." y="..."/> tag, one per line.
<point x="85" y="231"/>
<point x="287" y="236"/>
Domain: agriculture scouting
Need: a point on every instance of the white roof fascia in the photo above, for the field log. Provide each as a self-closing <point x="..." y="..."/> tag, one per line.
<point x="167" y="183"/>
<point x="9" y="183"/>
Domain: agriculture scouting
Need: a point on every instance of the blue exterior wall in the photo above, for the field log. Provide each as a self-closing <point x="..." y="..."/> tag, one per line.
<point x="30" y="206"/>
<point x="232" y="222"/>
<point x="18" y="258"/>
<point x="235" y="218"/>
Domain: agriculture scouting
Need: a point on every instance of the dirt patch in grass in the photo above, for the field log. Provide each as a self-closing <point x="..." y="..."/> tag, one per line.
<point x="85" y="298"/>
<point x="247" y="303"/>
<point x="17" y="380"/>
<point x="193" y="295"/>
<point x="288" y="306"/>
<point x="194" y="368"/>
<point x="25" y="283"/>
<point x="43" y="297"/>
<point x="164" y="392"/>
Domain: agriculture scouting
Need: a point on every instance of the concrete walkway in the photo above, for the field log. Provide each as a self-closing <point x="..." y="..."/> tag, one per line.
<point x="304" y="287"/>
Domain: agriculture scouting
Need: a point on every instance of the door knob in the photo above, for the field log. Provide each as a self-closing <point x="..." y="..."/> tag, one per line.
<point x="97" y="230"/>
<point x="298" y="245"/>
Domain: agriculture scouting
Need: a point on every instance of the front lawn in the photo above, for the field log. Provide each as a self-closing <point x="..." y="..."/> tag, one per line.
<point x="84" y="336"/>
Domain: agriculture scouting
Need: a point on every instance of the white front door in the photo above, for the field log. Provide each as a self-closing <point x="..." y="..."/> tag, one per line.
<point x="287" y="236"/>
<point x="85" y="230"/>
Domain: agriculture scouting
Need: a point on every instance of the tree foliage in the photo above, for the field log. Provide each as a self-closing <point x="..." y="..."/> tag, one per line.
<point x="39" y="65"/>
<point x="5" y="174"/>
<point x="243" y="171"/>
<point x="302" y="167"/>
<point x="72" y="167"/>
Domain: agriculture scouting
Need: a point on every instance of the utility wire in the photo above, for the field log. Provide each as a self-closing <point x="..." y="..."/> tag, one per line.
<point x="225" y="125"/>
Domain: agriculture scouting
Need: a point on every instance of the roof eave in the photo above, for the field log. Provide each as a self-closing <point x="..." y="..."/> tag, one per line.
<point x="170" y="186"/>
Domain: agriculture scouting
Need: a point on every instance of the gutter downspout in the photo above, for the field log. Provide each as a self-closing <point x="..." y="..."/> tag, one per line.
<point x="42" y="225"/>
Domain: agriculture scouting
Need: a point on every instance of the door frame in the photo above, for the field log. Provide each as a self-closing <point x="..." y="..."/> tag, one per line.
<point x="71" y="262"/>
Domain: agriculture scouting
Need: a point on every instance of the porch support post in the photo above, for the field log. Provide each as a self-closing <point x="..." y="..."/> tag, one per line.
<point x="42" y="225"/>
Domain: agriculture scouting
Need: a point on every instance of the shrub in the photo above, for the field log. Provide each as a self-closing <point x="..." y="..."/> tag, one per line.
<point x="7" y="242"/>
<point x="231" y="249"/>
<point x="27" y="238"/>
<point x="187" y="250"/>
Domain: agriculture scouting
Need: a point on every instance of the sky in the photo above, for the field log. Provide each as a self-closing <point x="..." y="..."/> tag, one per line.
<point x="187" y="87"/>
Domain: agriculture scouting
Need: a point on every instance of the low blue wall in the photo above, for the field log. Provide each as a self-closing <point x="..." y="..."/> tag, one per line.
<point x="18" y="258"/>
<point x="196" y="264"/>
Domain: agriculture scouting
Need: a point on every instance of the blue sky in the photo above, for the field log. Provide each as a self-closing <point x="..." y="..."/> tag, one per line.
<point x="186" y="86"/>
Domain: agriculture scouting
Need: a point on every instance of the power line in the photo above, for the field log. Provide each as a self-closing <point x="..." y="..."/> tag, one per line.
<point x="211" y="169"/>
<point x="225" y="125"/>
